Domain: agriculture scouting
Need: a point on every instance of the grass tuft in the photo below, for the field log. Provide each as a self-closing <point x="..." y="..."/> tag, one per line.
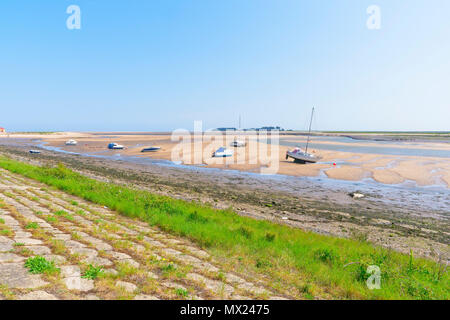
<point x="326" y="255"/>
<point x="32" y="225"/>
<point x="182" y="293"/>
<point x="92" y="272"/>
<point x="39" y="264"/>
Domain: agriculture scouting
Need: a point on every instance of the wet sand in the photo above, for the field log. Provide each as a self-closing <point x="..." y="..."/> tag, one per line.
<point x="349" y="166"/>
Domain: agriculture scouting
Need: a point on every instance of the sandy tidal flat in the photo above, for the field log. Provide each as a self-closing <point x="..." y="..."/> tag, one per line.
<point x="257" y="157"/>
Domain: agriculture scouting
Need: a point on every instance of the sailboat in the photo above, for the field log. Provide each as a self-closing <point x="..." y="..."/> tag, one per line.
<point x="301" y="156"/>
<point x="238" y="143"/>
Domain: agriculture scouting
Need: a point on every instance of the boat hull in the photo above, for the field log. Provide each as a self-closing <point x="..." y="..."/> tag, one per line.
<point x="302" y="158"/>
<point x="222" y="155"/>
<point x="238" y="144"/>
<point x="154" y="149"/>
<point x="115" y="146"/>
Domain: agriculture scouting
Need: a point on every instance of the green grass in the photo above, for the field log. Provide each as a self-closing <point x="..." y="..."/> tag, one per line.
<point x="32" y="225"/>
<point x="62" y="213"/>
<point x="5" y="232"/>
<point x="305" y="263"/>
<point x="39" y="264"/>
<point x="168" y="269"/>
<point x="51" y="219"/>
<point x="92" y="272"/>
<point x="182" y="293"/>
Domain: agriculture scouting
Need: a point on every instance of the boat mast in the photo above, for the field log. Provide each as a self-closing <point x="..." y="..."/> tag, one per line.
<point x="309" y="132"/>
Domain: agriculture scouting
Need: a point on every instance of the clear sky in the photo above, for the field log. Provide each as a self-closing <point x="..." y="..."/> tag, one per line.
<point x="154" y="65"/>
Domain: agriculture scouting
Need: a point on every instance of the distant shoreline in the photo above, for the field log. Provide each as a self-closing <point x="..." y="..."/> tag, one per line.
<point x="417" y="136"/>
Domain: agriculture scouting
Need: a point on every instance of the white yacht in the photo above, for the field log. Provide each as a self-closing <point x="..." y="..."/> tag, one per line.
<point x="301" y="156"/>
<point x="71" y="142"/>
<point x="223" y="152"/>
<point x="238" y="143"/>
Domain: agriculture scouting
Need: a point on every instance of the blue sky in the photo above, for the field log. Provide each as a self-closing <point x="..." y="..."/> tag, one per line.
<point x="160" y="65"/>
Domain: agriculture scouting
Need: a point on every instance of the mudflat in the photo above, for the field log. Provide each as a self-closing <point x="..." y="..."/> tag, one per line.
<point x="391" y="162"/>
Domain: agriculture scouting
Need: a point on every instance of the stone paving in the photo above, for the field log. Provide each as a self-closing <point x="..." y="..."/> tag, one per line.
<point x="136" y="261"/>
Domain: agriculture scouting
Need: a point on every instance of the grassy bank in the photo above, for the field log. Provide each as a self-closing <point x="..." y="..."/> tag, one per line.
<point x="302" y="263"/>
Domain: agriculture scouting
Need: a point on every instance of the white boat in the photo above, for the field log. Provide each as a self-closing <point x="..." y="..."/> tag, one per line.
<point x="223" y="152"/>
<point x="35" y="151"/>
<point x="71" y="142"/>
<point x="151" y="149"/>
<point x="115" y="146"/>
<point x="238" y="143"/>
<point x="301" y="156"/>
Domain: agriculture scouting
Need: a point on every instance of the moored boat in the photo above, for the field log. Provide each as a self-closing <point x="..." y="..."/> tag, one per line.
<point x="223" y="152"/>
<point x="71" y="142"/>
<point x="238" y="143"/>
<point x="151" y="149"/>
<point x="301" y="156"/>
<point x="115" y="146"/>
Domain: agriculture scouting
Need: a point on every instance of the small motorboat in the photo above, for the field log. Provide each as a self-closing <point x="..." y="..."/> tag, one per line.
<point x="151" y="149"/>
<point x="71" y="142"/>
<point x="115" y="146"/>
<point x="35" y="151"/>
<point x="301" y="156"/>
<point x="238" y="143"/>
<point x="223" y="152"/>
